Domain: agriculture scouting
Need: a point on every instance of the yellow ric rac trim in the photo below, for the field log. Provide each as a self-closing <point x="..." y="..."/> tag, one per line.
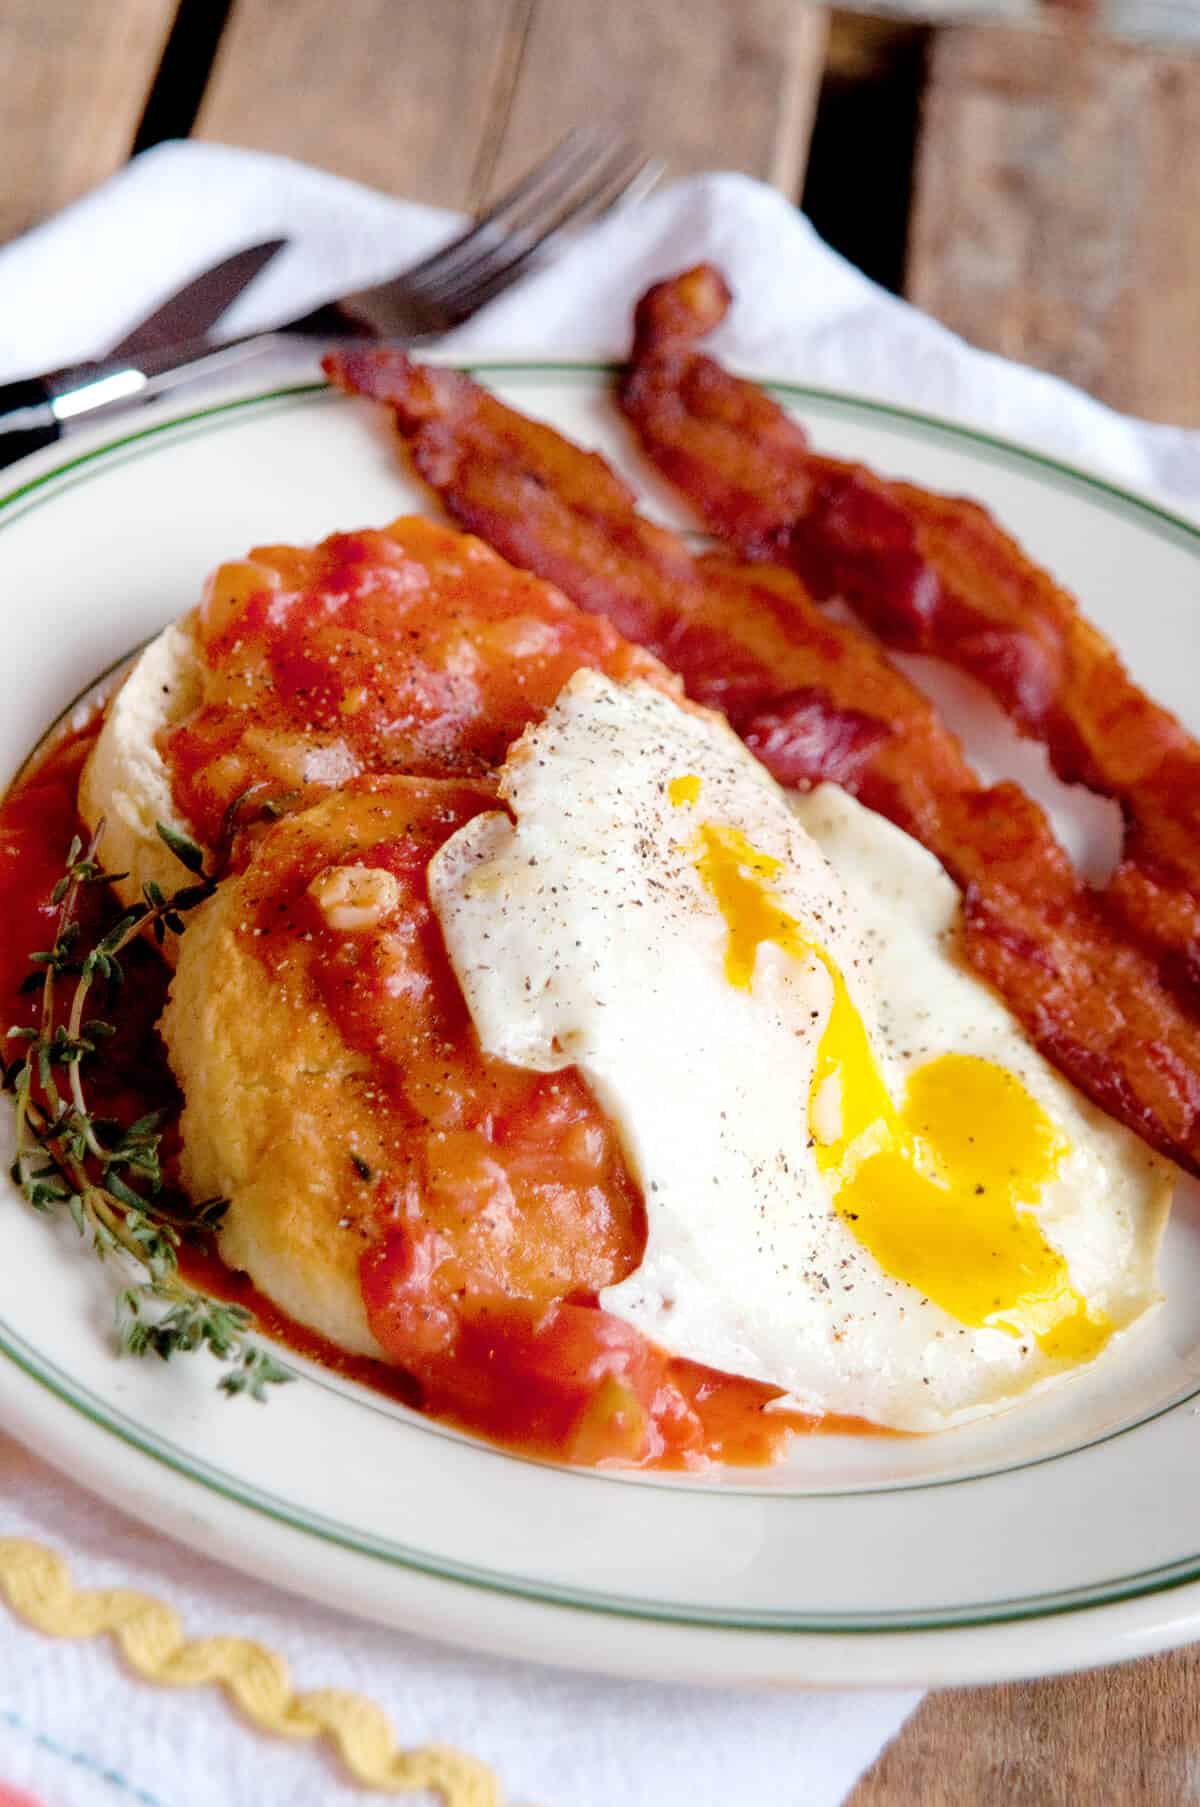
<point x="38" y="1587"/>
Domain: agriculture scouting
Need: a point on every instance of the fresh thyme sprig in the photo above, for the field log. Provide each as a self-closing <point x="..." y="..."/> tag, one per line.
<point x="106" y="1177"/>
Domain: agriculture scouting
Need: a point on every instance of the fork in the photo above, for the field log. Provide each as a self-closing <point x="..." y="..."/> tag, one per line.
<point x="589" y="173"/>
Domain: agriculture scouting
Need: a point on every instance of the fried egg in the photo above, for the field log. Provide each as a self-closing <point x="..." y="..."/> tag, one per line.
<point x="863" y="1186"/>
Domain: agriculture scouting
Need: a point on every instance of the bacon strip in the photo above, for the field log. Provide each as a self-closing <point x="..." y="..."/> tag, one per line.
<point x="936" y="575"/>
<point x="815" y="698"/>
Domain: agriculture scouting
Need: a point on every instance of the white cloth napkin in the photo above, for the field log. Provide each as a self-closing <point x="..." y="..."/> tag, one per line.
<point x="73" y="1726"/>
<point x="78" y="283"/>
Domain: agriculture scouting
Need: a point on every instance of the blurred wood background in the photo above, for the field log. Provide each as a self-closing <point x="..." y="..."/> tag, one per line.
<point x="1023" y="177"/>
<point x="1031" y="179"/>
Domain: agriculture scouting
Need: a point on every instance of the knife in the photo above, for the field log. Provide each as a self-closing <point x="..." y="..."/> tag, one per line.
<point x="36" y="411"/>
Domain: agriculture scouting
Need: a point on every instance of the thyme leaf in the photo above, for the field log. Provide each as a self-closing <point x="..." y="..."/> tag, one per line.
<point x="106" y="1176"/>
<point x="185" y="851"/>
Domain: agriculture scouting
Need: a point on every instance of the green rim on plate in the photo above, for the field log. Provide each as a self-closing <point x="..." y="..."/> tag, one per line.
<point x="1161" y="521"/>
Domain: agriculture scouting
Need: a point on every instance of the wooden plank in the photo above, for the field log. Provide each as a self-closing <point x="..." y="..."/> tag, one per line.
<point x="1050" y="221"/>
<point x="1126" y="1737"/>
<point x="397" y="93"/>
<point x="76" y="78"/>
<point x="859" y="185"/>
<point x="703" y="84"/>
<point x="1047" y="227"/>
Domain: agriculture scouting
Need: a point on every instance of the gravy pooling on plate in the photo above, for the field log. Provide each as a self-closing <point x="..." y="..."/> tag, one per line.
<point x="513" y="1033"/>
<point x="506" y="640"/>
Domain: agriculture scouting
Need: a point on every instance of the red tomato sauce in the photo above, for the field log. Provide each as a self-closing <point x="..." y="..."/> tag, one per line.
<point x="507" y="1206"/>
<point x="37" y="822"/>
<point x="413" y="649"/>
<point x="558" y="1379"/>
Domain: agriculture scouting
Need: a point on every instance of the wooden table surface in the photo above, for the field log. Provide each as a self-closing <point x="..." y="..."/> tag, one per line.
<point x="1028" y="184"/>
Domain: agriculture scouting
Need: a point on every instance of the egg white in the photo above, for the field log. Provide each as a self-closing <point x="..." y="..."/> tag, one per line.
<point x="582" y="934"/>
<point x="125" y="783"/>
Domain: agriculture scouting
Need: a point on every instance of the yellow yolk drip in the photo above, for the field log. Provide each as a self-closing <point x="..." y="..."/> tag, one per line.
<point x="940" y="1191"/>
<point x="737" y="875"/>
<point x="684" y="789"/>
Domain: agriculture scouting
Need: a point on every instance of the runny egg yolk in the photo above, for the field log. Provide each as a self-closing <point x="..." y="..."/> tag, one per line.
<point x="940" y="1190"/>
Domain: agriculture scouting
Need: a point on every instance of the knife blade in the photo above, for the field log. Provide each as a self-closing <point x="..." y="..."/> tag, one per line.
<point x="36" y="411"/>
<point x="195" y="308"/>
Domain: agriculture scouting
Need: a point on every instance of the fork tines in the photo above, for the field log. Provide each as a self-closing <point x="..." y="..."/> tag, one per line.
<point x="588" y="173"/>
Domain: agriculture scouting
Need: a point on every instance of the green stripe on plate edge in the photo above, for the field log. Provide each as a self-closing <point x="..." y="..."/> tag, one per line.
<point x="1180" y="1572"/>
<point x="1167" y="524"/>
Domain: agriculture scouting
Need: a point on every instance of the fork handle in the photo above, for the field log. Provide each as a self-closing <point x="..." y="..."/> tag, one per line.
<point x="27" y="419"/>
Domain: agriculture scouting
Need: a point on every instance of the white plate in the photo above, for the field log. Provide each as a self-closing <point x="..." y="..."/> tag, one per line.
<point x="1062" y="1534"/>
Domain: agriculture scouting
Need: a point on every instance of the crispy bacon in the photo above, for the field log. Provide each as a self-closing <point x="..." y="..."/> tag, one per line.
<point x="931" y="574"/>
<point x="816" y="698"/>
<point x="818" y="695"/>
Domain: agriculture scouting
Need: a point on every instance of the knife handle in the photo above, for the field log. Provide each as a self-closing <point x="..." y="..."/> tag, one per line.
<point x="27" y="419"/>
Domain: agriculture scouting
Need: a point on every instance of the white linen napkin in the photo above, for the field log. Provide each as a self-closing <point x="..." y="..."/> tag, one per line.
<point x="77" y="284"/>
<point x="73" y="1726"/>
